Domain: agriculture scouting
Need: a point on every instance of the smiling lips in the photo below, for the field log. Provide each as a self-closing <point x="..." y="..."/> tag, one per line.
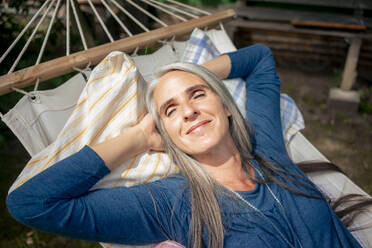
<point x="197" y="125"/>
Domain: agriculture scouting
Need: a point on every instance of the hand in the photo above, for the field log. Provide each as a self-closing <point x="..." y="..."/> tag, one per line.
<point x="131" y="142"/>
<point x="150" y="134"/>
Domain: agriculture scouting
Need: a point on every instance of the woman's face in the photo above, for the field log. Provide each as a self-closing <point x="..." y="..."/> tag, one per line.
<point x="192" y="114"/>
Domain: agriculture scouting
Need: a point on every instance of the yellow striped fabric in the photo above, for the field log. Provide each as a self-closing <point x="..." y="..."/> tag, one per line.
<point x="111" y="101"/>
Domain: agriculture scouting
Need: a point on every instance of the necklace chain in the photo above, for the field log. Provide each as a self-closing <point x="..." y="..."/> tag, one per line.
<point x="263" y="215"/>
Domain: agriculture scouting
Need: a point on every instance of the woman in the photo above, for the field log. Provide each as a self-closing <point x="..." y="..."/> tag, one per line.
<point x="236" y="188"/>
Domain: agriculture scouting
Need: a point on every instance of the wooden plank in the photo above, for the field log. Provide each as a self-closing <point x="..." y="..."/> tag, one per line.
<point x="360" y="4"/>
<point x="297" y="17"/>
<point x="329" y="21"/>
<point x="284" y="27"/>
<point x="301" y="45"/>
<point x="266" y="14"/>
<point x="63" y="65"/>
<point x="330" y="25"/>
<point x="349" y="74"/>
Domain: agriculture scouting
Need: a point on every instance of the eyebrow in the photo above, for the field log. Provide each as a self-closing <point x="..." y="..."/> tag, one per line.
<point x="188" y="90"/>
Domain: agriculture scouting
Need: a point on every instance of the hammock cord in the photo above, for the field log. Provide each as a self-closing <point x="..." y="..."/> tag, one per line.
<point x="23" y="31"/>
<point x="166" y="11"/>
<point x="67" y="27"/>
<point x="79" y="25"/>
<point x="126" y="30"/>
<point x="190" y="7"/>
<point x="30" y="38"/>
<point x="175" y="9"/>
<point x="47" y="33"/>
<point x="100" y="21"/>
<point x="222" y="27"/>
<point x="22" y="92"/>
<point x="147" y="13"/>
<point x="83" y="70"/>
<point x="45" y="41"/>
<point x="41" y="50"/>
<point x="51" y="8"/>
<point x="37" y="84"/>
<point x="130" y="16"/>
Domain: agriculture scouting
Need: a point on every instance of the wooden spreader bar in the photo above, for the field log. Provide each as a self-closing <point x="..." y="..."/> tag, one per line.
<point x="94" y="55"/>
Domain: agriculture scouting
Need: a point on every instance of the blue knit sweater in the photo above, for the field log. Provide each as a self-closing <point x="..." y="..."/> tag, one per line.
<point x="58" y="200"/>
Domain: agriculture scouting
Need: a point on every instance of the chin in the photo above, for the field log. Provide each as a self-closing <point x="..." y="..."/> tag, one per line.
<point x="202" y="148"/>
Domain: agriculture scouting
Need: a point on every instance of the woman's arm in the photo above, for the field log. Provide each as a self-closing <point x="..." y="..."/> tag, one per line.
<point x="132" y="141"/>
<point x="220" y="66"/>
<point x="58" y="199"/>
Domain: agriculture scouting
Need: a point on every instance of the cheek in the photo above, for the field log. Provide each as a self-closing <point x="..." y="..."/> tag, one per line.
<point x="172" y="127"/>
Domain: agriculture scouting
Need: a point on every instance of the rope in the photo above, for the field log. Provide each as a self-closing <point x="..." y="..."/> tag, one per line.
<point x="100" y="21"/>
<point x="166" y="11"/>
<point x="79" y="25"/>
<point x="67" y="27"/>
<point x="30" y="39"/>
<point x="83" y="70"/>
<point x="23" y="31"/>
<point x="47" y="34"/>
<point x="189" y="7"/>
<point x="169" y="9"/>
<point x="135" y="51"/>
<point x="37" y="84"/>
<point x="222" y="27"/>
<point x="130" y="16"/>
<point x="171" y="41"/>
<point x="22" y="91"/>
<point x="126" y="30"/>
<point x="147" y="13"/>
<point x="173" y="8"/>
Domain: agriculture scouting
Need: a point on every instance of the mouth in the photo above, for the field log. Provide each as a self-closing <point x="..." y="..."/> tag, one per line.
<point x="197" y="125"/>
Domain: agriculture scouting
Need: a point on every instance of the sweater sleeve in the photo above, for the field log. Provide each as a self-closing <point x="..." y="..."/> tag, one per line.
<point x="58" y="200"/>
<point x="255" y="64"/>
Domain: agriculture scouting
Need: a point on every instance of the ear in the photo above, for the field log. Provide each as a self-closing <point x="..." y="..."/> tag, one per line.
<point x="227" y="112"/>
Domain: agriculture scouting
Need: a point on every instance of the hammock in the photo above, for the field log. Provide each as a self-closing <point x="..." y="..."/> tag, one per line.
<point x="52" y="110"/>
<point x="189" y="16"/>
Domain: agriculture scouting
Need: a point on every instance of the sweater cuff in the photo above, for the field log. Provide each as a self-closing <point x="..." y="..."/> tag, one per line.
<point x="234" y="69"/>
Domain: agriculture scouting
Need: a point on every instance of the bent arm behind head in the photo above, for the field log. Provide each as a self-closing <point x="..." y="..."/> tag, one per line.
<point x="220" y="66"/>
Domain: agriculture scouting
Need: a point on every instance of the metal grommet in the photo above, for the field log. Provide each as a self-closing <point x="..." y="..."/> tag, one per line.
<point x="34" y="98"/>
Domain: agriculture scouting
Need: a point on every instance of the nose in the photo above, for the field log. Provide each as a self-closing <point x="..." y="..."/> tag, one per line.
<point x="189" y="112"/>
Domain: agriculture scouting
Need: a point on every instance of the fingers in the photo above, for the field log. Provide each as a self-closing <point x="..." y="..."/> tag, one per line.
<point x="154" y="139"/>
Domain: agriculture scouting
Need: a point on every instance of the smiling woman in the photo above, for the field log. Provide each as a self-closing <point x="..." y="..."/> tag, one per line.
<point x="236" y="187"/>
<point x="192" y="114"/>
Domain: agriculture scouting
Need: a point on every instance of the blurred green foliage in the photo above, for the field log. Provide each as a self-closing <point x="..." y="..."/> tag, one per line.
<point x="207" y="2"/>
<point x="365" y="106"/>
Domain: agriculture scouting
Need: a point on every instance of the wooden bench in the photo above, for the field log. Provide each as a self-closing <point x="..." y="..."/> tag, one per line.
<point x="342" y="19"/>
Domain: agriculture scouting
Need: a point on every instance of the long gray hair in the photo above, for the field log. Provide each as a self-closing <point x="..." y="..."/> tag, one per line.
<point x="203" y="189"/>
<point x="205" y="209"/>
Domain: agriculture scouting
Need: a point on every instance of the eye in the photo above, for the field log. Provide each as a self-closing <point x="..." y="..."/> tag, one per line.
<point x="198" y="94"/>
<point x="170" y="111"/>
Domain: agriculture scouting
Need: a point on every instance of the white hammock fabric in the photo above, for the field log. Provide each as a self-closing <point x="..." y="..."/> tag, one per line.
<point x="111" y="101"/>
<point x="39" y="116"/>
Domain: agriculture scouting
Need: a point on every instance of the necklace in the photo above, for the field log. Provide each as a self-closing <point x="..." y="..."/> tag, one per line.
<point x="264" y="216"/>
